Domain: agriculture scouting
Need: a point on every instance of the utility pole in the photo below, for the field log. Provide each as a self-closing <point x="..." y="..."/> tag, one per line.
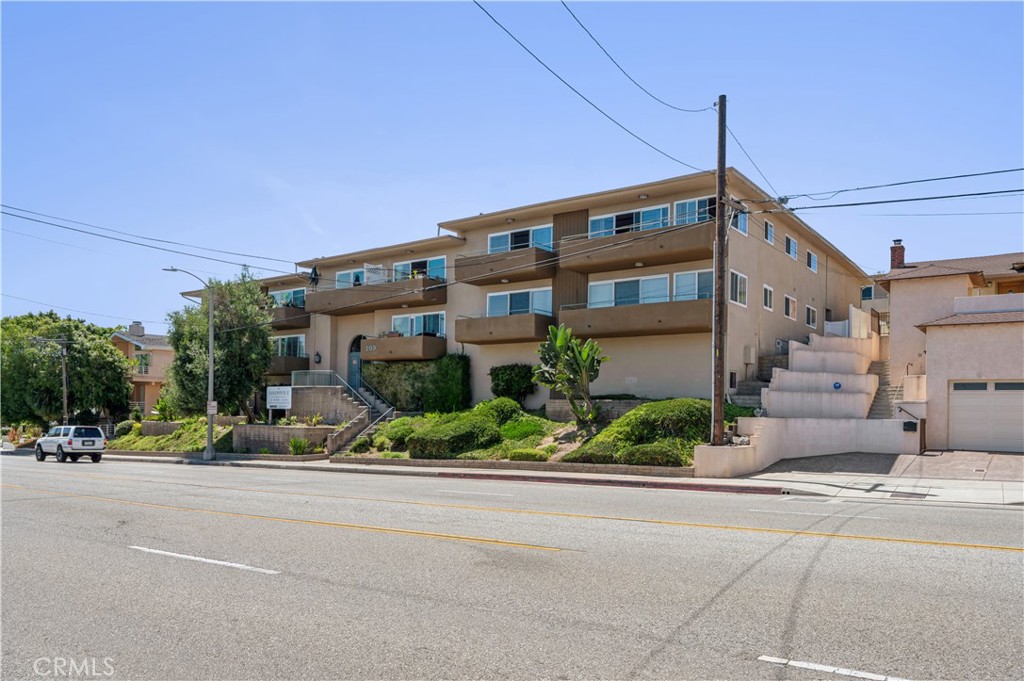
<point x="720" y="311"/>
<point x="63" y="344"/>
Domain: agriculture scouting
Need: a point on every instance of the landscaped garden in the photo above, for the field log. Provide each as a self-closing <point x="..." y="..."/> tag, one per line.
<point x="189" y="437"/>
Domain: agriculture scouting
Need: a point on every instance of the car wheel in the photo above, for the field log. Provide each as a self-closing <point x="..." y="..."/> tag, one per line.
<point x="96" y="458"/>
<point x="40" y="454"/>
<point x="61" y="456"/>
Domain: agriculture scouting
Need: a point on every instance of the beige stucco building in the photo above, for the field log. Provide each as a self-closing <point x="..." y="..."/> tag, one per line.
<point x="956" y="348"/>
<point x="631" y="267"/>
<point x="151" y="356"/>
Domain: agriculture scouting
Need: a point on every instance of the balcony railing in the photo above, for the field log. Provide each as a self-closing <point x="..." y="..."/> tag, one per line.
<point x="284" y="365"/>
<point x="513" y="328"/>
<point x="641" y="319"/>
<point x="631" y="248"/>
<point x="289" y="317"/>
<point x="481" y="268"/>
<point x="382" y="294"/>
<point x="396" y="348"/>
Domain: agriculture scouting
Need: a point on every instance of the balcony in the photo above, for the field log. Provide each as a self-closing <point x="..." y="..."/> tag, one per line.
<point x="648" y="319"/>
<point x="382" y="295"/>
<point x="516" y="328"/>
<point x="663" y="246"/>
<point x="285" y="317"/>
<point x="525" y="264"/>
<point x="281" y="365"/>
<point x="396" y="348"/>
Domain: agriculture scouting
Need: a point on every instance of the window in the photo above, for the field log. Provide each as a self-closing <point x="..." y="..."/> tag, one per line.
<point x="739" y="222"/>
<point x="645" y="218"/>
<point x="867" y="292"/>
<point x="433" y="268"/>
<point x="629" y="292"/>
<point x="144" y="361"/>
<point x="769" y="232"/>
<point x="349" y="278"/>
<point x="428" y="324"/>
<point x="738" y="288"/>
<point x="696" y="210"/>
<point x="790" y="307"/>
<point x="65" y="432"/>
<point x="289" y="346"/>
<point x="535" y="237"/>
<point x="970" y="386"/>
<point x="293" y="298"/>
<point x="791" y="247"/>
<point x="88" y="432"/>
<point x="54" y="432"/>
<point x="732" y="379"/>
<point x="812" y="262"/>
<point x="768" y="298"/>
<point x="810" y="317"/>
<point x="1010" y="385"/>
<point x="519" y="302"/>
<point x="696" y="285"/>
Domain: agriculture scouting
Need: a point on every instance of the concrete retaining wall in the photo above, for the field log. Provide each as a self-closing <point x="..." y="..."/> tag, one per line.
<point x="802" y="359"/>
<point x="822" y="382"/>
<point x="822" y="405"/>
<point x="549" y="466"/>
<point x="558" y="410"/>
<point x="867" y="347"/>
<point x="332" y="403"/>
<point x="150" y="428"/>
<point x="275" y="438"/>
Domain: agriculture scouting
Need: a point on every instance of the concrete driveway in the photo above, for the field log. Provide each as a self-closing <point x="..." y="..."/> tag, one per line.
<point x="944" y="465"/>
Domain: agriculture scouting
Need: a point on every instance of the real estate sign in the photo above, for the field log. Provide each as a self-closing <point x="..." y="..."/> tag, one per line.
<point x="279" y="397"/>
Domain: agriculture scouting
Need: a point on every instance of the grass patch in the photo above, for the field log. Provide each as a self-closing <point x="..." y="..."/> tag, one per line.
<point x="190" y="437"/>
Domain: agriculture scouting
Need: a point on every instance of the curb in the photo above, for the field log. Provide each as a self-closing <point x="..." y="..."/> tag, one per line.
<point x="428" y="473"/>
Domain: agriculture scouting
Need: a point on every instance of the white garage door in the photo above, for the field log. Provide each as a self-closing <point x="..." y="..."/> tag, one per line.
<point x="986" y="416"/>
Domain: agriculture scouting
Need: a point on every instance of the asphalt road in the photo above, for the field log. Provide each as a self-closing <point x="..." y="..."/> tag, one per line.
<point x="386" y="577"/>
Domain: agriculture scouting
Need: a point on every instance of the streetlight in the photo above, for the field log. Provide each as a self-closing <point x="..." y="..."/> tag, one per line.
<point x="209" y="454"/>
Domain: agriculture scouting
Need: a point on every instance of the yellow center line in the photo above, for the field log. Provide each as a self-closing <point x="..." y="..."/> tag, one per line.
<point x="299" y="521"/>
<point x="587" y="516"/>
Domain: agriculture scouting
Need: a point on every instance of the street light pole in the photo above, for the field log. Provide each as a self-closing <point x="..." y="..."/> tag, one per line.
<point x="209" y="454"/>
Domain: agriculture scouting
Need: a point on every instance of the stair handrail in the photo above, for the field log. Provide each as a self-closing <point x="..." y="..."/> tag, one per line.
<point x="336" y="380"/>
<point x="385" y="413"/>
<point x="369" y="388"/>
<point x="899" y="386"/>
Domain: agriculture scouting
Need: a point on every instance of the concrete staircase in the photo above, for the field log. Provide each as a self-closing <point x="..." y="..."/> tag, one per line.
<point x="378" y="414"/>
<point x="881" y="406"/>
<point x="748" y="393"/>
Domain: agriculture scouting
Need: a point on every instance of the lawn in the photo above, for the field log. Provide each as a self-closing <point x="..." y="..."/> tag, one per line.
<point x="190" y="437"/>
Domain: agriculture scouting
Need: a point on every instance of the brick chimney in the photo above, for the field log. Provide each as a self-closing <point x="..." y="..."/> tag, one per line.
<point x="136" y="329"/>
<point x="896" y="254"/>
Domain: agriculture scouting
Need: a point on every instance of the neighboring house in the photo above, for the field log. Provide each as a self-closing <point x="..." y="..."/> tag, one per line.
<point x="956" y="348"/>
<point x="631" y="267"/>
<point x="151" y="355"/>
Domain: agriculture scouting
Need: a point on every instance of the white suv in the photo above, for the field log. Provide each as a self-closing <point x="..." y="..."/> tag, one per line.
<point x="72" y="442"/>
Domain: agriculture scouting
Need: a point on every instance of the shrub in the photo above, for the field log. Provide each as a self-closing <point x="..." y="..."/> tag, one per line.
<point x="315" y="420"/>
<point x="663" y="453"/>
<point x="512" y="380"/>
<point x="361" y="445"/>
<point x="137" y="429"/>
<point x="265" y="450"/>
<point x="124" y="428"/>
<point x="381" y="443"/>
<point x="394" y="455"/>
<point x="399" y="430"/>
<point x="136" y="415"/>
<point x="521" y="428"/>
<point x="592" y="452"/>
<point x="527" y="455"/>
<point x="298" y="446"/>
<point x="438" y="385"/>
<point x="444" y="440"/>
<point x="501" y="409"/>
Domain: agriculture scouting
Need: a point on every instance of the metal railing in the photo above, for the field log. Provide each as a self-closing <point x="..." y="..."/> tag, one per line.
<point x="391" y="277"/>
<point x="484" y="315"/>
<point x="637" y="227"/>
<point x="385" y="413"/>
<point x="549" y="248"/>
<point x="899" y="387"/>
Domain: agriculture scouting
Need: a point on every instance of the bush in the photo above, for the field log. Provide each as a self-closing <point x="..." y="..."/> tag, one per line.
<point x="361" y="445"/>
<point x="381" y="443"/>
<point x="394" y="455"/>
<point x="124" y="428"/>
<point x="315" y="420"/>
<point x="298" y="446"/>
<point x="501" y="409"/>
<point x="444" y="440"/>
<point x="441" y="385"/>
<point x="265" y="450"/>
<point x="136" y="415"/>
<point x="399" y="430"/>
<point x="527" y="455"/>
<point x="512" y="380"/>
<point x="521" y="428"/>
<point x="654" y="454"/>
<point x="592" y="452"/>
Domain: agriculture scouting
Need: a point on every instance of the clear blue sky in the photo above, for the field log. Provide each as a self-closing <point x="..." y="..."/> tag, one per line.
<point x="301" y="130"/>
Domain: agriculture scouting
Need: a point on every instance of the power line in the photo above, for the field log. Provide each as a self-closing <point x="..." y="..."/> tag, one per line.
<point x="932" y="215"/>
<point x="71" y="309"/>
<point x="582" y="96"/>
<point x="832" y="194"/>
<point x="874" y="203"/>
<point x="631" y="78"/>
<point x="142" y="236"/>
<point x="756" y="167"/>
<point x="136" y="243"/>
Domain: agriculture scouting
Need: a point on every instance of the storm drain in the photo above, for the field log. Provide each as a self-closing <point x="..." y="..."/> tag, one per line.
<point x="908" y="495"/>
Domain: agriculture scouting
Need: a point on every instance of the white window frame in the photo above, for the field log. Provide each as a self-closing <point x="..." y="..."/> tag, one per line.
<point x="395" y="266"/>
<point x="674" y="293"/>
<point x="410" y="317"/>
<point x="869" y="286"/>
<point x="533" y="242"/>
<point x="292" y="291"/>
<point x="745" y="287"/>
<point x="765" y="288"/>
<point x="813" y="257"/>
<point x="615" y="281"/>
<point x="677" y="218"/>
<point x="796" y="247"/>
<point x="740" y="217"/>
<point x="814" y="311"/>
<point x="636" y="226"/>
<point x="531" y="291"/>
<point x="769" y="231"/>
<point x="352" y="271"/>
<point x="792" y="307"/>
<point x="302" y="344"/>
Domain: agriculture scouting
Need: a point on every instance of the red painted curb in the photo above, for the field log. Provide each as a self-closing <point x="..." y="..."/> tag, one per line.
<point x="653" y="484"/>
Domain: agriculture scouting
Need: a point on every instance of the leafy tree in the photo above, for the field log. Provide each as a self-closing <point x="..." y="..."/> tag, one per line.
<point x="99" y="375"/>
<point x="512" y="380"/>
<point x="242" y="348"/>
<point x="569" y="366"/>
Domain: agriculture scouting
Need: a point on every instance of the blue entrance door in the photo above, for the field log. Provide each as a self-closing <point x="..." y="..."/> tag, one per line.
<point x="354" y="370"/>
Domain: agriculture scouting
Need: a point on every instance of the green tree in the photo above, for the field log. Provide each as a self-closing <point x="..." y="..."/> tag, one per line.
<point x="242" y="348"/>
<point x="569" y="365"/>
<point x="99" y="375"/>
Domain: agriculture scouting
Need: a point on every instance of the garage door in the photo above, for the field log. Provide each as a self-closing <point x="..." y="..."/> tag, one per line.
<point x="986" y="416"/>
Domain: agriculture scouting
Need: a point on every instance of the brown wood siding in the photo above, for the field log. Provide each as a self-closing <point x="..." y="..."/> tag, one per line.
<point x="567" y="287"/>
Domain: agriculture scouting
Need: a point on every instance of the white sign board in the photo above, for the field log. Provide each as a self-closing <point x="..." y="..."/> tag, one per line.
<point x="211" y="408"/>
<point x="279" y="397"/>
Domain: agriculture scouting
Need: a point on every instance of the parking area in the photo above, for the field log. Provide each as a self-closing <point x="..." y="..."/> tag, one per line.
<point x="944" y="465"/>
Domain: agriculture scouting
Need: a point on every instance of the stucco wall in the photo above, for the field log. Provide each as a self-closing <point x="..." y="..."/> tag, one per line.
<point x="913" y="302"/>
<point x="973" y="352"/>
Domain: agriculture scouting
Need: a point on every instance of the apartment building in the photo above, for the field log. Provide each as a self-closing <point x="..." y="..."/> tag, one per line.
<point x="151" y="355"/>
<point x="631" y="267"/>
